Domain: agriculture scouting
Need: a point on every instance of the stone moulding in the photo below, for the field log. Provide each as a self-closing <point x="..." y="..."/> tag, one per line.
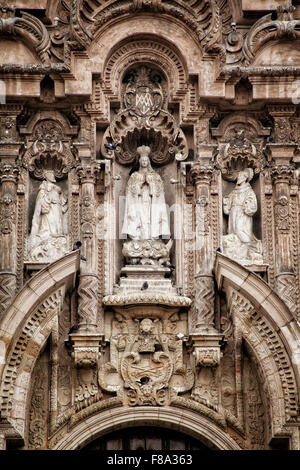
<point x="146" y="299"/>
<point x="189" y="421"/>
<point x="29" y="320"/>
<point x="271" y="330"/>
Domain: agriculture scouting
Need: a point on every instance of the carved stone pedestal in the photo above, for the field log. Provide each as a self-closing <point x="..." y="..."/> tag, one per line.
<point x="206" y="348"/>
<point x="133" y="279"/>
<point x="145" y="285"/>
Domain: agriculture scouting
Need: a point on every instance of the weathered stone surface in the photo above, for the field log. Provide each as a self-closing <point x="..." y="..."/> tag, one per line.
<point x="152" y="278"/>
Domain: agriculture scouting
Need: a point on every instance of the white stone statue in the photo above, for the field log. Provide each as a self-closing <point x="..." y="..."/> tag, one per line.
<point x="48" y="239"/>
<point x="241" y="205"/>
<point x="146" y="219"/>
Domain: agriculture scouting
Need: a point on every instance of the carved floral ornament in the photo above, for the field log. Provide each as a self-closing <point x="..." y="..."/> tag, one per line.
<point x="144" y="122"/>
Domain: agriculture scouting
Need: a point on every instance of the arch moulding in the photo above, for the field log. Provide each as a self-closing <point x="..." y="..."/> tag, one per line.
<point x="266" y="321"/>
<point x="186" y="421"/>
<point x="24" y="330"/>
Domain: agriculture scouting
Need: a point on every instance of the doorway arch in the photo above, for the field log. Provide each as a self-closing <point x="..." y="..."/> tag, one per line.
<point x="179" y="419"/>
<point x="146" y="438"/>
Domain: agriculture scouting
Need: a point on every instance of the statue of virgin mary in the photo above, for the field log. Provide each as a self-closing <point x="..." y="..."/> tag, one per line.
<point x="146" y="220"/>
<point x="146" y="216"/>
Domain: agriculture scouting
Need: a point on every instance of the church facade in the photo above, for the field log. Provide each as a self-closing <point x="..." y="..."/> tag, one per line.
<point x="149" y="225"/>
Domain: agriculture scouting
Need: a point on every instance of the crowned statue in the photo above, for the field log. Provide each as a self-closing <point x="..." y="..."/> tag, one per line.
<point x="48" y="239"/>
<point x="240" y="205"/>
<point x="146" y="220"/>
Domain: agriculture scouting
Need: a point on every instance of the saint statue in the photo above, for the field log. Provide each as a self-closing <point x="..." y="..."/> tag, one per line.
<point x="241" y="205"/>
<point x="146" y="219"/>
<point x="48" y="239"/>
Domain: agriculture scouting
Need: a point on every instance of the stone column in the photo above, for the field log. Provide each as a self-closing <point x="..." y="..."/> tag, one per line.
<point x="285" y="276"/>
<point x="86" y="341"/>
<point x="204" y="337"/>
<point x="88" y="284"/>
<point x="282" y="173"/>
<point x="203" y="315"/>
<point x="8" y="177"/>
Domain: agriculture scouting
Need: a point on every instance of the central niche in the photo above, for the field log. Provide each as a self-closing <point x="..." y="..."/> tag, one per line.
<point x="144" y="143"/>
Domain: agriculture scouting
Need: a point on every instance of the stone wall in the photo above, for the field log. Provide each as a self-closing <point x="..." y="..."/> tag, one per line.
<point x="149" y="221"/>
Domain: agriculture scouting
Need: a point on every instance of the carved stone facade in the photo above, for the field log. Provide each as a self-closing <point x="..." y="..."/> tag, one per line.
<point x="149" y="221"/>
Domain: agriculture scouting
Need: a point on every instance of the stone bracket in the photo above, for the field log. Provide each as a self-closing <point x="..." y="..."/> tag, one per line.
<point x="86" y="348"/>
<point x="206" y="348"/>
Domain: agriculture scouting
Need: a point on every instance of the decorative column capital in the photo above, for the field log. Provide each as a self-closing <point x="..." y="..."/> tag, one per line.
<point x="9" y="172"/>
<point x="283" y="130"/>
<point x="86" y="348"/>
<point x="88" y="173"/>
<point x="282" y="173"/>
<point x="201" y="173"/>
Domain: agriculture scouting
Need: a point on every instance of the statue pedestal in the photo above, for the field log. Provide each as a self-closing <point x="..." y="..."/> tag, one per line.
<point x="143" y="284"/>
<point x="148" y="279"/>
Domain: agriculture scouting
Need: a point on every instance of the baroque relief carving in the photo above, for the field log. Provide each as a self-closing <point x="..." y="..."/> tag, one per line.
<point x="266" y="29"/>
<point x="28" y="27"/>
<point x="38" y="414"/>
<point x="209" y="33"/>
<point x="143" y="121"/>
<point x="145" y="363"/>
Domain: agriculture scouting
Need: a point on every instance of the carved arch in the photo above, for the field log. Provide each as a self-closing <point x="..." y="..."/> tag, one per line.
<point x="272" y="333"/>
<point x="204" y="19"/>
<point x="267" y="29"/>
<point x="152" y="50"/>
<point x="188" y="422"/>
<point x="25" y="328"/>
<point x="31" y="30"/>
